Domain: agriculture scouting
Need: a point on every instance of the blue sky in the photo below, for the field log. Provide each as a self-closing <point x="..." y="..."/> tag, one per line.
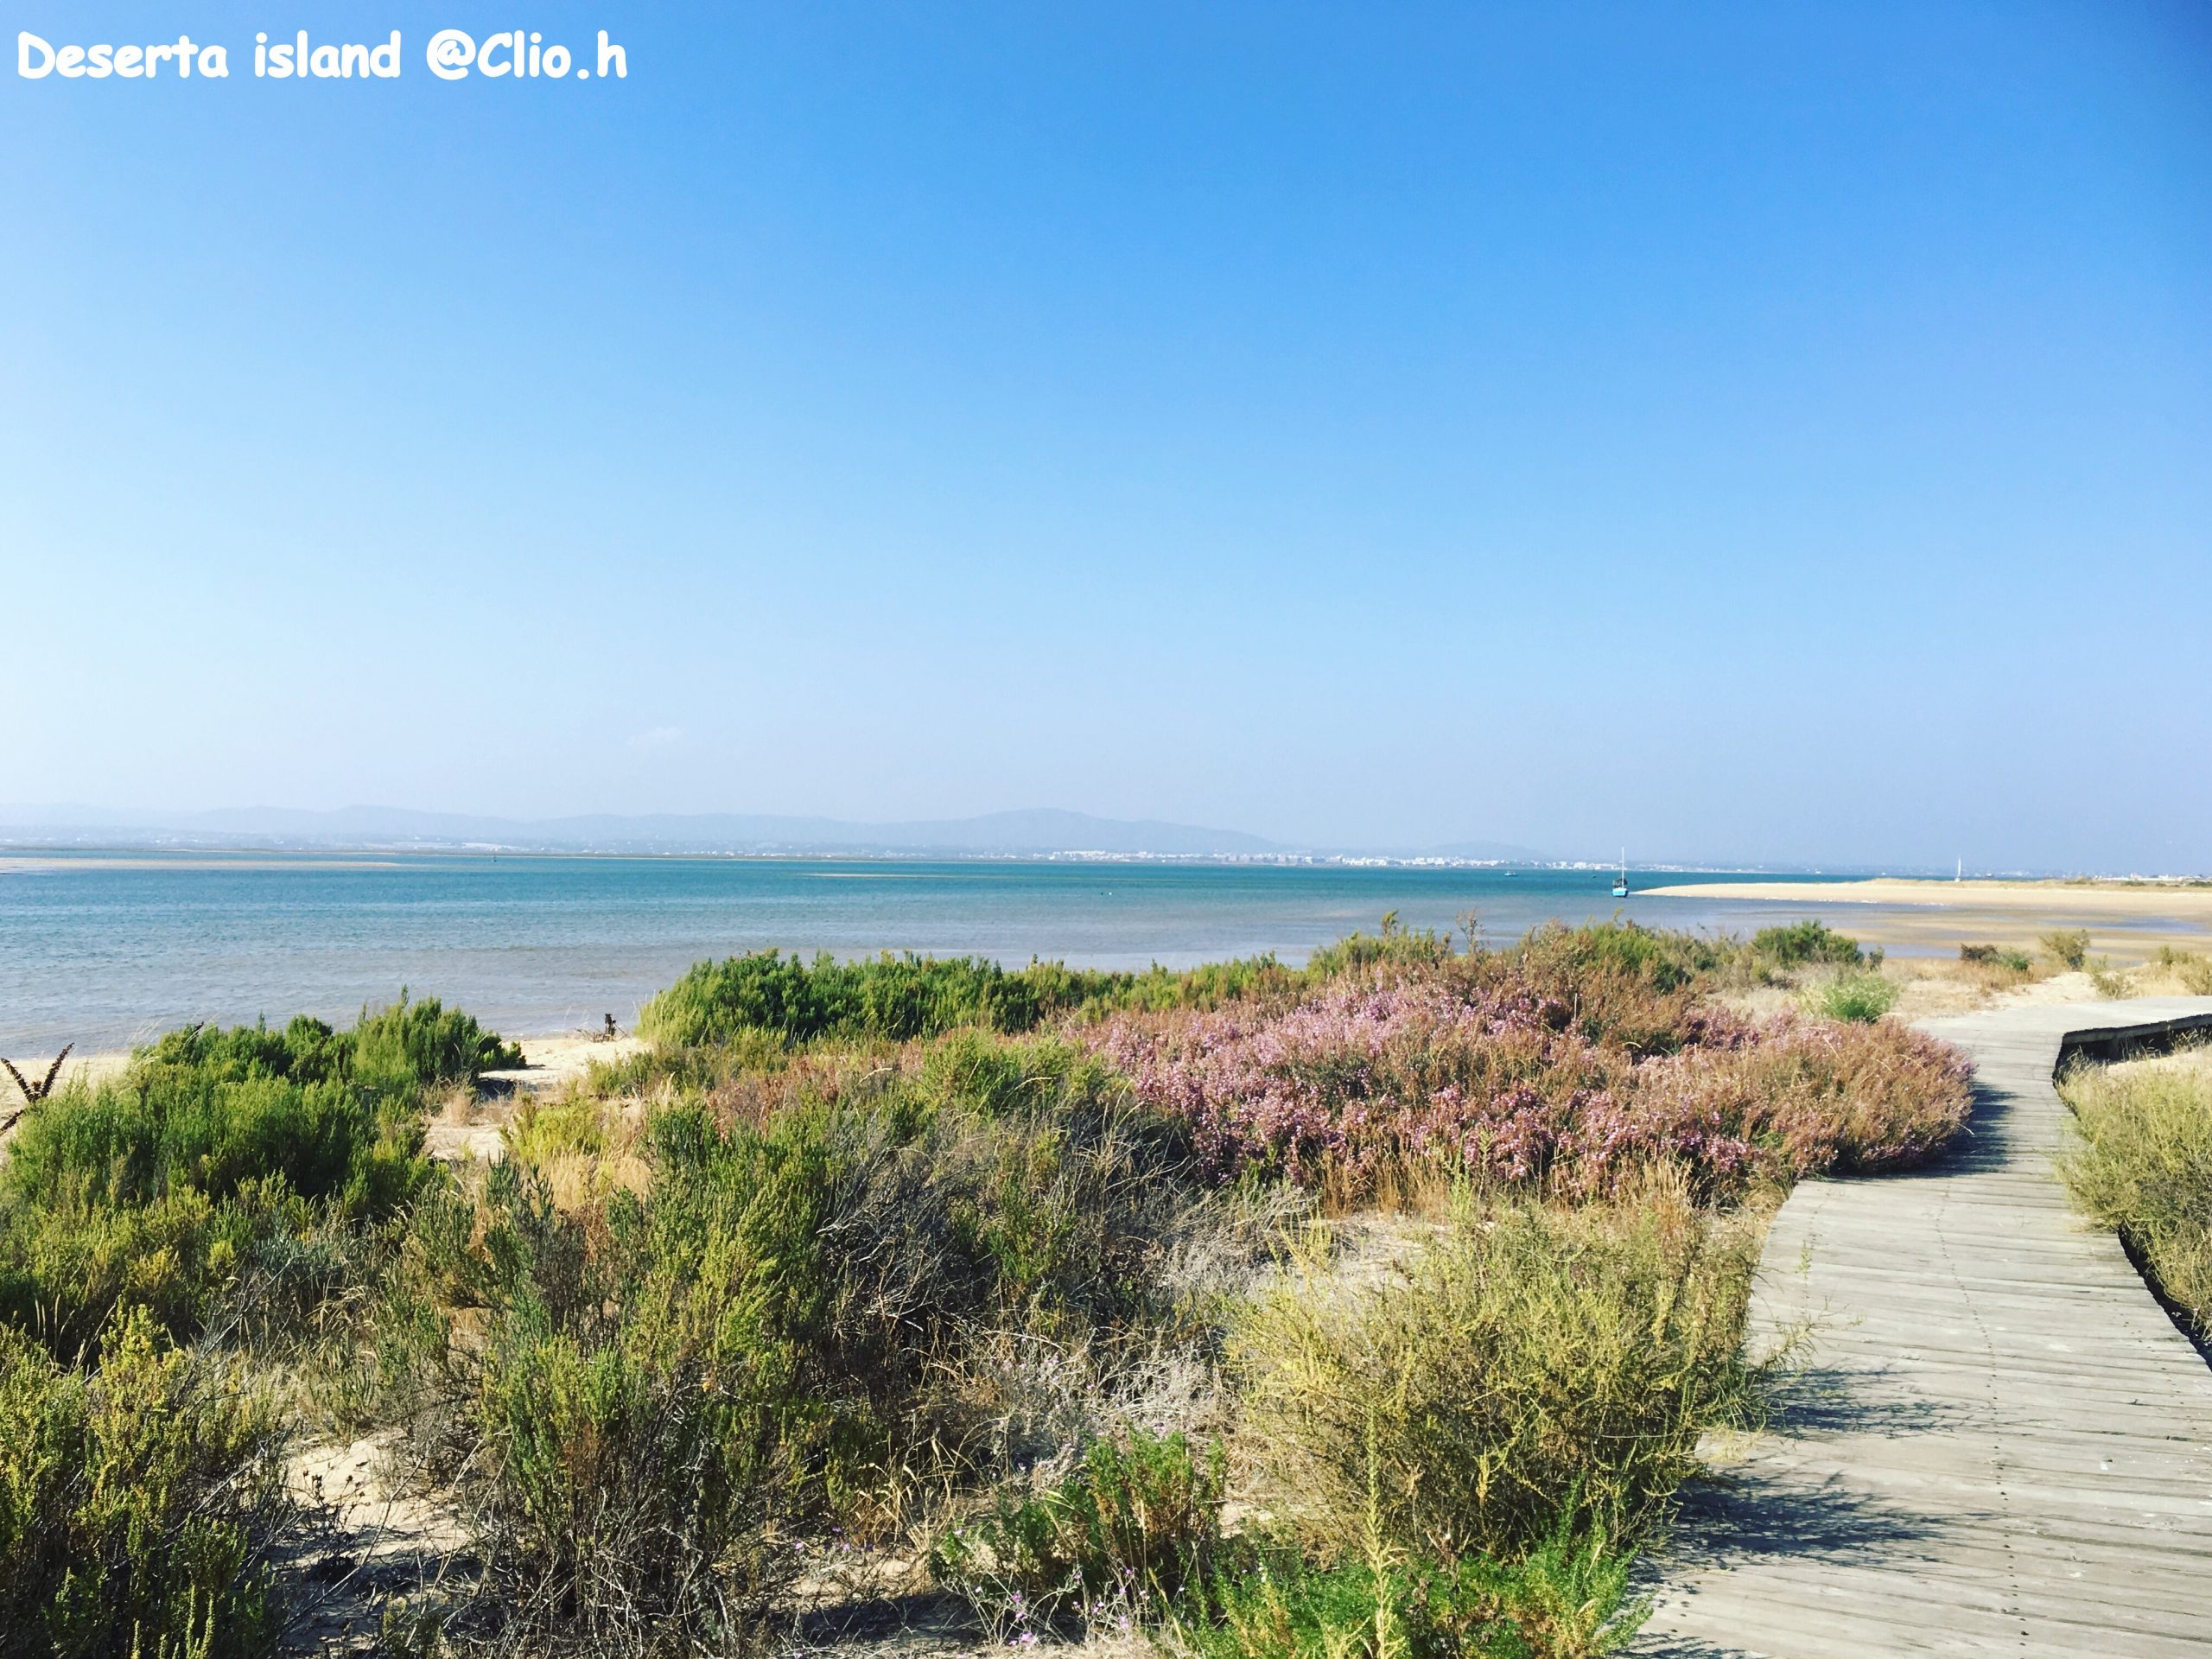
<point x="1743" y="432"/>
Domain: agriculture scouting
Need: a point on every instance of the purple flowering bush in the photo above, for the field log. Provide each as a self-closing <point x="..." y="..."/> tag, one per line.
<point x="1482" y="1069"/>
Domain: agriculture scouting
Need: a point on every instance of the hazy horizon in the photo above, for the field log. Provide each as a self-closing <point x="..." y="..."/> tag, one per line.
<point x="1015" y="832"/>
<point x="1747" y="436"/>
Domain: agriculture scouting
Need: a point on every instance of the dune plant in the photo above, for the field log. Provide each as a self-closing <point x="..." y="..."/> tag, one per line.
<point x="2140" y="1162"/>
<point x="893" y="997"/>
<point x="1392" y="945"/>
<point x="2066" y="946"/>
<point x="1809" y="944"/>
<point x="1567" y="1598"/>
<point x="140" y="1499"/>
<point x="222" y="1159"/>
<point x="1531" y="1353"/>
<point x="1124" y="1538"/>
<point x="1858" y="998"/>
<point x="641" y="1392"/>
<point x="1491" y="1078"/>
<point x="2192" y="969"/>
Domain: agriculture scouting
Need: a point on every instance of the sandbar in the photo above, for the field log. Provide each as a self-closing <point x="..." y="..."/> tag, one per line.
<point x="2149" y="899"/>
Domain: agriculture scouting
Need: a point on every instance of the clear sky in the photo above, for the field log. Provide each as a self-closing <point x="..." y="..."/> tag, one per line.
<point x="1761" y="432"/>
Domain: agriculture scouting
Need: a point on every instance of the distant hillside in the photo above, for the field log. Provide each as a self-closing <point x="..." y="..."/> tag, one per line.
<point x="1038" y="831"/>
<point x="1494" y="852"/>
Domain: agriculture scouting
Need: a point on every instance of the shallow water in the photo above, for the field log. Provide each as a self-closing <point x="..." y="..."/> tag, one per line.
<point x="105" y="952"/>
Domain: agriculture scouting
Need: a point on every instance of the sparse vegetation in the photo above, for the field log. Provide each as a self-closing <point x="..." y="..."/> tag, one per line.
<point x="1532" y="1351"/>
<point x="2190" y="971"/>
<point x="2068" y="947"/>
<point x="1997" y="958"/>
<point x="1809" y="943"/>
<point x="1053" y="1274"/>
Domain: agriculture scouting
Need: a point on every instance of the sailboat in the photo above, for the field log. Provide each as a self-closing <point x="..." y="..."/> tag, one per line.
<point x="1620" y="881"/>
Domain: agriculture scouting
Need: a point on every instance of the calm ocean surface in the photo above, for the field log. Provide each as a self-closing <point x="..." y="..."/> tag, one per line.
<point x="108" y="950"/>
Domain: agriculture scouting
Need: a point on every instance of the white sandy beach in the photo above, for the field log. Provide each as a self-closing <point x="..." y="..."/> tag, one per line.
<point x="2054" y="898"/>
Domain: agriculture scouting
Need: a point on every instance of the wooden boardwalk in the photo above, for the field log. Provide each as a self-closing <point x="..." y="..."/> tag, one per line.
<point x="2001" y="1444"/>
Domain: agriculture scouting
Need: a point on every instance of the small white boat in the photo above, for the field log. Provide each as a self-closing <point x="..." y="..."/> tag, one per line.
<point x="1620" y="882"/>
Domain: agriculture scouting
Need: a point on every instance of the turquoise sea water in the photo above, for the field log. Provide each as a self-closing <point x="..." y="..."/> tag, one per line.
<point x="107" y="951"/>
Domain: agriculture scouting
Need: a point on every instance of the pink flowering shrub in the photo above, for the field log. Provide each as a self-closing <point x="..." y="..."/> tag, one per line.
<point x="1486" y="1072"/>
<point x="1821" y="1096"/>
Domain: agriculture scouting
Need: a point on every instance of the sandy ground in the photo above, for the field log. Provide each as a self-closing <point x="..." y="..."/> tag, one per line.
<point x="2127" y="923"/>
<point x="2053" y="898"/>
<point x="470" y="1124"/>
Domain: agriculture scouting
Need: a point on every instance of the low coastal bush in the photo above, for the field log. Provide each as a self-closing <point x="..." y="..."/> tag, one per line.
<point x="139" y="1499"/>
<point x="1126" y="1538"/>
<point x="1534" y="1355"/>
<point x="1809" y="944"/>
<point x="1391" y="945"/>
<point x="898" y="998"/>
<point x="2067" y="947"/>
<point x="1858" y="999"/>
<point x="798" y="1318"/>
<point x="1810" y="1097"/>
<point x="222" y="1159"/>
<point x="2191" y="970"/>
<point x="890" y="997"/>
<point x="2140" y="1163"/>
<point x="1566" y="1599"/>
<point x="1486" y="1077"/>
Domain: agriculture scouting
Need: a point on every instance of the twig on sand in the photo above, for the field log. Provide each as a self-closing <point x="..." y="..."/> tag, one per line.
<point x="33" y="1093"/>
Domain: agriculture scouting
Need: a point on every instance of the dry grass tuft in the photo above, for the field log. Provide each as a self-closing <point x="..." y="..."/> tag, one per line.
<point x="2141" y="1163"/>
<point x="1533" y="1355"/>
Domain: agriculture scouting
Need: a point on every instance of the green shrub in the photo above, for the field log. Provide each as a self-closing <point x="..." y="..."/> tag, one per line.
<point x="222" y="1159"/>
<point x="331" y="1115"/>
<point x="1997" y="957"/>
<point x="1392" y="945"/>
<point x="1529" y="1353"/>
<point x="1208" y="986"/>
<point x="407" y="1047"/>
<point x="137" y="1502"/>
<point x="1654" y="960"/>
<point x="1567" y="1598"/>
<point x="2141" y="1163"/>
<point x="65" y="1268"/>
<point x="1807" y="945"/>
<point x="1120" y="1539"/>
<point x="766" y="1337"/>
<point x="164" y="1129"/>
<point x="2068" y="946"/>
<point x="1858" y="999"/>
<point x="425" y="1044"/>
<point x="890" y="997"/>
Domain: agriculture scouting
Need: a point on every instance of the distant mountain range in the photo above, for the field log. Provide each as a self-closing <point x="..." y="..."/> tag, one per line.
<point x="1035" y="832"/>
